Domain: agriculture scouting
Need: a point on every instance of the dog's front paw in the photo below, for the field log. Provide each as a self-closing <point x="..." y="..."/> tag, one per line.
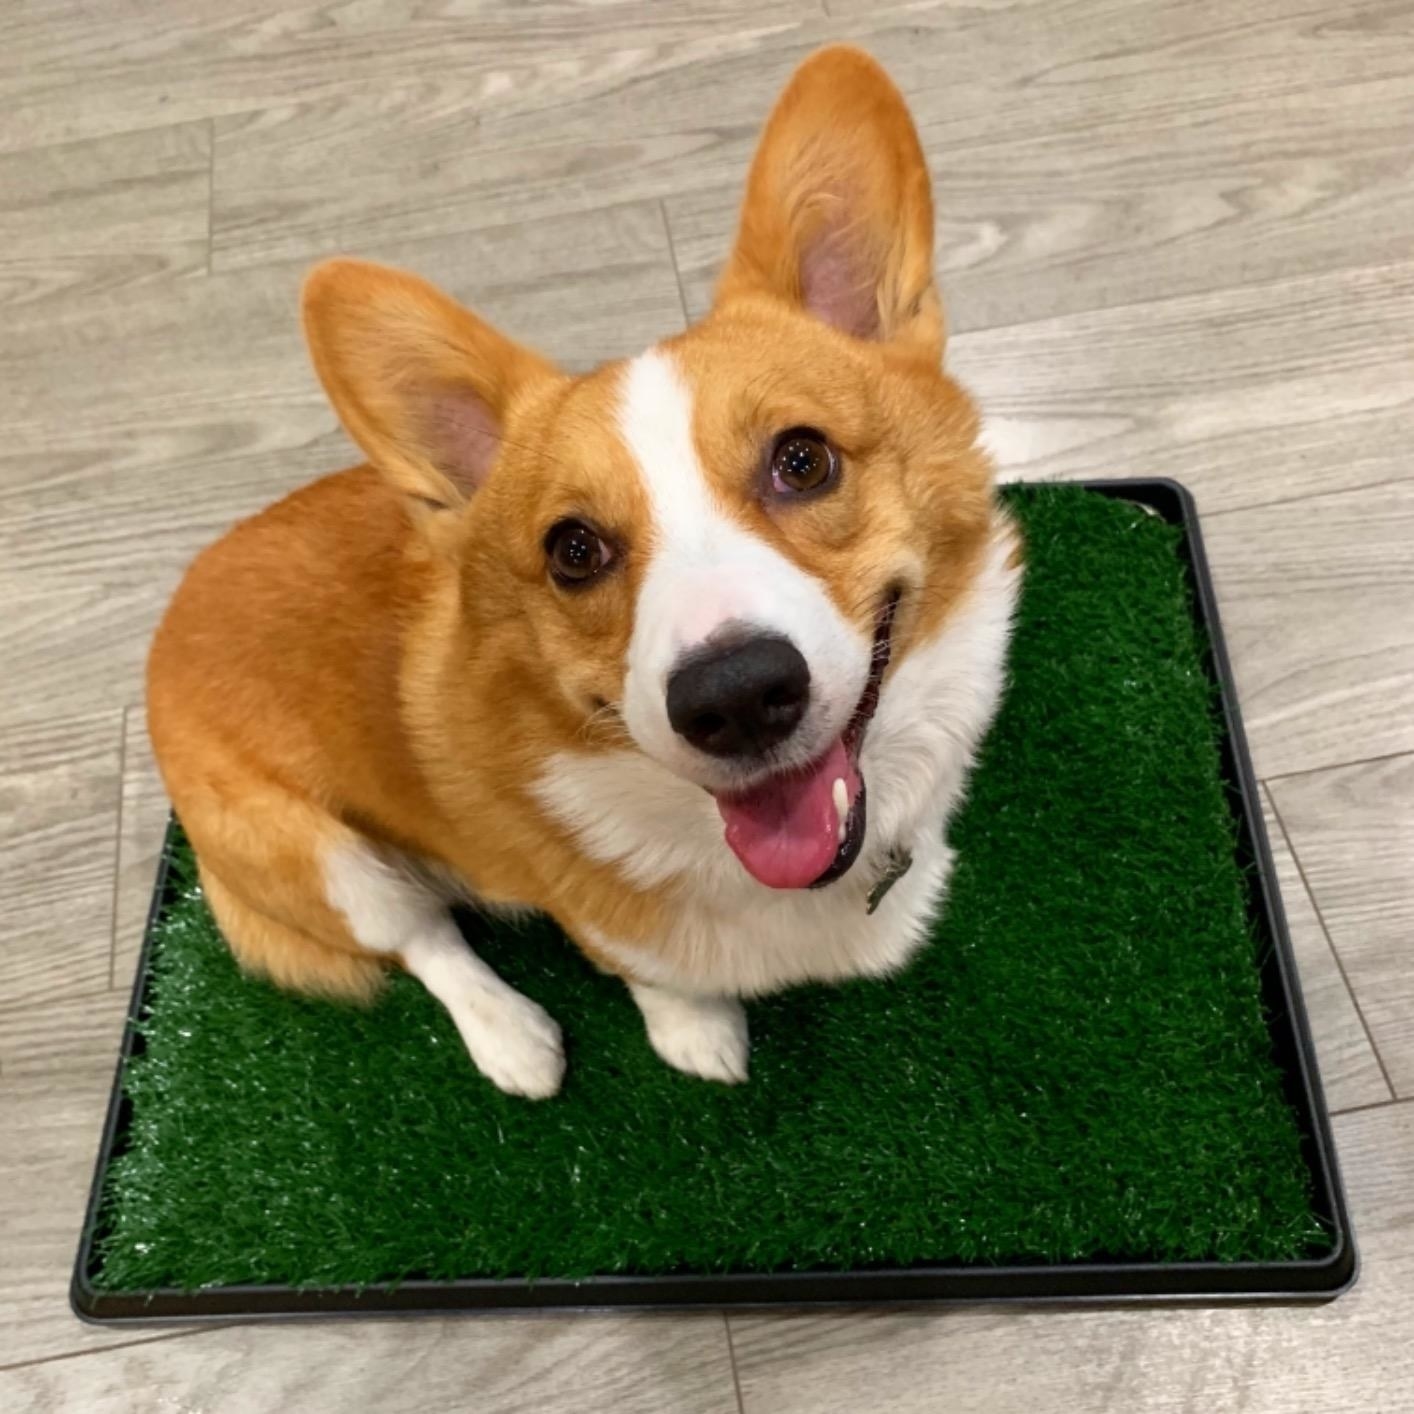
<point x="704" y="1036"/>
<point x="516" y="1045"/>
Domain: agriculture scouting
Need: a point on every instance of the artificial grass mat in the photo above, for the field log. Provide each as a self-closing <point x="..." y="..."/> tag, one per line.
<point x="1077" y="1067"/>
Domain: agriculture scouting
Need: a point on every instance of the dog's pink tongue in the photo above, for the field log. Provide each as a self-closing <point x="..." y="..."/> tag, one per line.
<point x="787" y="832"/>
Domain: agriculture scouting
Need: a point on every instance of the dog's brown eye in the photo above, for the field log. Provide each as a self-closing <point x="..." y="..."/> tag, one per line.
<point x="576" y="552"/>
<point x="802" y="460"/>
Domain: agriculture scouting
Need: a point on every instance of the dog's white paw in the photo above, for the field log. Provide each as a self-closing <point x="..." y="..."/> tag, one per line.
<point x="704" y="1036"/>
<point x="516" y="1045"/>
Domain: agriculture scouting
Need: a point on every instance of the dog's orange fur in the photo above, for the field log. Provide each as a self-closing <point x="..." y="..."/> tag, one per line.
<point x="380" y="656"/>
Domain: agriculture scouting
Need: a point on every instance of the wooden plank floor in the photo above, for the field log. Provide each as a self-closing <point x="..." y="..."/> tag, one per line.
<point x="1175" y="240"/>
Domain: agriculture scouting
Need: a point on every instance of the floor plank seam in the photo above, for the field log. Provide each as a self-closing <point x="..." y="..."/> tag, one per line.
<point x="1210" y="294"/>
<point x="673" y="260"/>
<point x="1330" y="942"/>
<point x="1311" y="496"/>
<point x="1372" y="1105"/>
<point x="24" y="1006"/>
<point x="409" y="247"/>
<point x="57" y="145"/>
<point x="731" y="1357"/>
<point x="64" y="1355"/>
<point x="1336" y="766"/>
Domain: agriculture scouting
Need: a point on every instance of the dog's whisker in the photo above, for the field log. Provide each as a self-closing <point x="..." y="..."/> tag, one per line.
<point x="607" y="724"/>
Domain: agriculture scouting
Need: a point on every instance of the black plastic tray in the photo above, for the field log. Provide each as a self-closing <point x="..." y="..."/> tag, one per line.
<point x="1312" y="1280"/>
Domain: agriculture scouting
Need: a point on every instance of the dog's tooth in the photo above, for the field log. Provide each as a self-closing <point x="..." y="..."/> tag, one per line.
<point x="840" y="796"/>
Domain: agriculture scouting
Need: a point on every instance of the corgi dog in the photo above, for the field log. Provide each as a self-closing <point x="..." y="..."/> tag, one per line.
<point x="691" y="653"/>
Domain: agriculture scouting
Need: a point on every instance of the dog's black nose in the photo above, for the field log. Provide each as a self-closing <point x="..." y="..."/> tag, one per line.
<point x="741" y="698"/>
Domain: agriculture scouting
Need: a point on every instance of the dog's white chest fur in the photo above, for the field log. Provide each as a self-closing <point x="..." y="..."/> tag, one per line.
<point x="732" y="935"/>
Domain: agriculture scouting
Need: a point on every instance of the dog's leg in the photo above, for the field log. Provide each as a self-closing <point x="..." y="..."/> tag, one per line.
<point x="703" y="1036"/>
<point x="514" y="1042"/>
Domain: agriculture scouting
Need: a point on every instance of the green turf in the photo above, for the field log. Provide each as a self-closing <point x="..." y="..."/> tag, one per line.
<point x="1078" y="1066"/>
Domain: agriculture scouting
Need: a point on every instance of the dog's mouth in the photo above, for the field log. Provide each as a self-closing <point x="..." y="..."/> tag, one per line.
<point x="804" y="828"/>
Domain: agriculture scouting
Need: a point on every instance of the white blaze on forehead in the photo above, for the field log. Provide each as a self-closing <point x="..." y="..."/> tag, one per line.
<point x="706" y="570"/>
<point x="689" y="526"/>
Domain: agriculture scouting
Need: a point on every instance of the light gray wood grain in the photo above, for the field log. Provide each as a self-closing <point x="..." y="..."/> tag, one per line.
<point x="1174" y="240"/>
<point x="1289" y="392"/>
<point x="584" y="289"/>
<point x="1080" y="160"/>
<point x="141" y="828"/>
<point x="924" y="11"/>
<point x="76" y="651"/>
<point x="1262" y="393"/>
<point x="1353" y="831"/>
<point x="1181" y="199"/>
<point x="274" y="197"/>
<point x="74" y="69"/>
<point x="1357" y="1353"/>
<point x="550" y="1365"/>
<point x="1350" y="1070"/>
<point x="56" y="1066"/>
<point x="136" y="426"/>
<point x="83" y="217"/>
<point x="1318" y="607"/>
<point x="58" y="841"/>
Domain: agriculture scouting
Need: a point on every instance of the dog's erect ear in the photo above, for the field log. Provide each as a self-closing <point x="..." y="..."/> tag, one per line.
<point x="838" y="216"/>
<point x="421" y="384"/>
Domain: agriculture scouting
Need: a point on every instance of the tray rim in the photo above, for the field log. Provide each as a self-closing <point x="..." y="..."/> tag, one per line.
<point x="1102" y="1283"/>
